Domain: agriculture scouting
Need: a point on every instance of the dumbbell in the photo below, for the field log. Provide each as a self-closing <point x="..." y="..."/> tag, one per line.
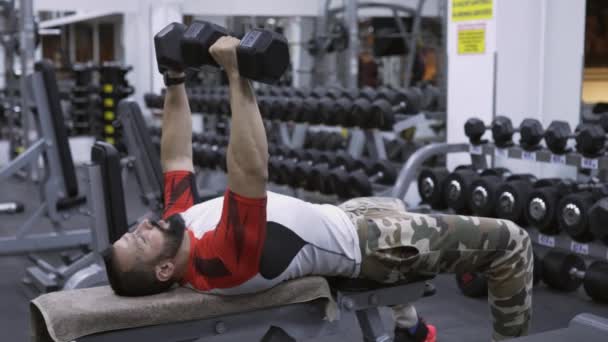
<point x="557" y="135"/>
<point x="294" y="109"/>
<point x="262" y="55"/>
<point x="344" y="112"/>
<point x="328" y="108"/>
<point x="311" y="111"/>
<point x="503" y="130"/>
<point x="542" y="209"/>
<point x="590" y="139"/>
<point x="210" y="157"/>
<point x="512" y="196"/>
<point x="430" y="186"/>
<point x="598" y="217"/>
<point x="573" y="212"/>
<point x="457" y="188"/>
<point x="484" y="191"/>
<point x="356" y="179"/>
<point x="278" y="107"/>
<point x="566" y="272"/>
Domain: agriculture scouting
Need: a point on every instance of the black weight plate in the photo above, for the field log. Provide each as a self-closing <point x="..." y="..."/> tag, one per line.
<point x="482" y="197"/>
<point x="596" y="281"/>
<point x="430" y="186"/>
<point x="572" y="215"/>
<point x="556" y="270"/>
<point x="456" y="189"/>
<point x="511" y="200"/>
<point x="540" y="209"/>
<point x="598" y="216"/>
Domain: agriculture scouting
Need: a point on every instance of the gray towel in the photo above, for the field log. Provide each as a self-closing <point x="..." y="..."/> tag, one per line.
<point x="67" y="315"/>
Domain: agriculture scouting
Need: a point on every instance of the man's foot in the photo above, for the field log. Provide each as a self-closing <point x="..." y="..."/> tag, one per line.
<point x="421" y="333"/>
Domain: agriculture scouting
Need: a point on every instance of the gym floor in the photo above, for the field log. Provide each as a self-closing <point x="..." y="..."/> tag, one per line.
<point x="456" y="317"/>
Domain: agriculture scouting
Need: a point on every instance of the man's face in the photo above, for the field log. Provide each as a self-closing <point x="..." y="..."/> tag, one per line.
<point x="144" y="245"/>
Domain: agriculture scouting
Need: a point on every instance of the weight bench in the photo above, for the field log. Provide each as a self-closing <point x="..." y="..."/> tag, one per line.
<point x="301" y="308"/>
<point x="294" y="310"/>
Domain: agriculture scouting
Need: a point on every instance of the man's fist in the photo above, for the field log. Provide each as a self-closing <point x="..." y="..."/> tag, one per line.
<point x="224" y="53"/>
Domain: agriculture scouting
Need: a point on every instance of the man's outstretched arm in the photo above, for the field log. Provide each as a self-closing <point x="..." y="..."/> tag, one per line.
<point x="247" y="153"/>
<point x="176" y="140"/>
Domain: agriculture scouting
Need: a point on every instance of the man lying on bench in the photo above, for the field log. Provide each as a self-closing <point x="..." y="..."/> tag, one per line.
<point x="251" y="240"/>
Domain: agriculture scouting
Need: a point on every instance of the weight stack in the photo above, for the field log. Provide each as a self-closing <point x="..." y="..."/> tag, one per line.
<point x="83" y="109"/>
<point x="114" y="87"/>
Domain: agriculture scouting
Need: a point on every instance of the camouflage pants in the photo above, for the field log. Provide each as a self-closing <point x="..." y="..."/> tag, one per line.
<point x="396" y="244"/>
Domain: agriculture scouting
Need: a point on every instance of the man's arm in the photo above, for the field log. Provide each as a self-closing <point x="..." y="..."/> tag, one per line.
<point x="176" y="140"/>
<point x="247" y="154"/>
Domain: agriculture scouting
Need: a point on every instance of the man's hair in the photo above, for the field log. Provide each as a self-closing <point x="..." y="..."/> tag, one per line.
<point x="141" y="279"/>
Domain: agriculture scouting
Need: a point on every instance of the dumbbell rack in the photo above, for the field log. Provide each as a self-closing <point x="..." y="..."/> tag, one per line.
<point x="479" y="153"/>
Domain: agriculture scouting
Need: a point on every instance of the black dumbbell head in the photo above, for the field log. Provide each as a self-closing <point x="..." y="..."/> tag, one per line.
<point x="430" y="186"/>
<point x="483" y="195"/>
<point x="456" y="189"/>
<point x="512" y="196"/>
<point x="474" y="129"/>
<point x="596" y="279"/>
<point x="572" y="215"/>
<point x="598" y="217"/>
<point x="531" y="133"/>
<point x="167" y="46"/>
<point x="382" y="113"/>
<point x="590" y="139"/>
<point x="502" y="131"/>
<point x="540" y="209"/>
<point x="413" y="100"/>
<point x="263" y="56"/>
<point x="557" y="267"/>
<point x="557" y="135"/>
<point x="344" y="112"/>
<point x="369" y="93"/>
<point x="358" y="185"/>
<point x="197" y="40"/>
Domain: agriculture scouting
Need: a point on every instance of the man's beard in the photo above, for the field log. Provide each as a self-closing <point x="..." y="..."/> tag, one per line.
<point x="174" y="236"/>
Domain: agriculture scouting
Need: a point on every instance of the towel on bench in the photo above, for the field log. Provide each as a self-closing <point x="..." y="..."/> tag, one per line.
<point x="67" y="315"/>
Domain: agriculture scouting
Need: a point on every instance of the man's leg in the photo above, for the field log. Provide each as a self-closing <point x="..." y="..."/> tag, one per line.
<point x="397" y="244"/>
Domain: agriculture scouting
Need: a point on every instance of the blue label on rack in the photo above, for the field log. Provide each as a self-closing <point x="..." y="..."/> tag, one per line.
<point x="558" y="159"/>
<point x="589" y="163"/>
<point x="476" y="149"/>
<point x="579" y="248"/>
<point x="501" y="152"/>
<point x="531" y="156"/>
<point x="544" y="240"/>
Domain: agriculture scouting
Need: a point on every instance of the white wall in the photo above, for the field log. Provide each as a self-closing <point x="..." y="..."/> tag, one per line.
<point x="470" y="83"/>
<point x="539" y="49"/>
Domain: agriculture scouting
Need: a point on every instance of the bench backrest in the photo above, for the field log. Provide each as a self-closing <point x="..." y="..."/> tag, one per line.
<point x="108" y="158"/>
<point x="58" y="121"/>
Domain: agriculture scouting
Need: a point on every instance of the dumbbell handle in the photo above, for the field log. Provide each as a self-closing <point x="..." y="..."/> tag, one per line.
<point x="575" y="273"/>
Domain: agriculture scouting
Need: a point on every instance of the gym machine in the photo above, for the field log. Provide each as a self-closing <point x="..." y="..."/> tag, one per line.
<point x="58" y="190"/>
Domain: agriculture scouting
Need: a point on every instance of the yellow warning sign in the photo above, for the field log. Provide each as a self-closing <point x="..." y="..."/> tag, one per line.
<point x="467" y="10"/>
<point x="472" y="40"/>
